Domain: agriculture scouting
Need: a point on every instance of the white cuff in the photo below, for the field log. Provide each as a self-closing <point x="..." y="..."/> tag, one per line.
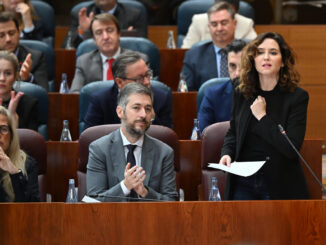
<point x="124" y="188"/>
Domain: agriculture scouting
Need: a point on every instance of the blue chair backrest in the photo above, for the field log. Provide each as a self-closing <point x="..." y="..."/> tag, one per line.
<point x="85" y="98"/>
<point x="46" y="14"/>
<point x="191" y="7"/>
<point x="87" y="91"/>
<point x="41" y="95"/>
<point x="49" y="57"/>
<point x="207" y="84"/>
<point x="134" y="4"/>
<point x="140" y="44"/>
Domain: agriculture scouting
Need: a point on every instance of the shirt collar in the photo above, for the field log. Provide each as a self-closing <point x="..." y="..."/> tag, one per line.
<point x="115" y="56"/>
<point x="216" y="49"/>
<point x="126" y="142"/>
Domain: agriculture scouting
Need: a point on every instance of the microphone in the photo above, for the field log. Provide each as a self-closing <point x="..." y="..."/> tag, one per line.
<point x="298" y="153"/>
<point x="127" y="198"/>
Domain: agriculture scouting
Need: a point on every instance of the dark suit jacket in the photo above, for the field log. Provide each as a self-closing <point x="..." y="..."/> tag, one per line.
<point x="216" y="105"/>
<point x="127" y="16"/>
<point x="89" y="68"/>
<point x="25" y="189"/>
<point x="39" y="68"/>
<point x="107" y="162"/>
<point x="283" y="172"/>
<point x="36" y="34"/>
<point x="102" y="108"/>
<point x="27" y="112"/>
<point x="199" y="65"/>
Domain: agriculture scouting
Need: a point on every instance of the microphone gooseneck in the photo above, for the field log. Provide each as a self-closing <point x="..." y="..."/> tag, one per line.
<point x="298" y="153"/>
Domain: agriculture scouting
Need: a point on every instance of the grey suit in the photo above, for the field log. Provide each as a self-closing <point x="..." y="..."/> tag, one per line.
<point x="106" y="165"/>
<point x="89" y="68"/>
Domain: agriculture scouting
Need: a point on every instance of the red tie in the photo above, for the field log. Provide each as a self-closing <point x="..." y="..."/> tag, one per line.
<point x="109" y="75"/>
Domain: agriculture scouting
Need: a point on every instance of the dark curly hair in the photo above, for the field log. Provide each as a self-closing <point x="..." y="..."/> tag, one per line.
<point x="249" y="81"/>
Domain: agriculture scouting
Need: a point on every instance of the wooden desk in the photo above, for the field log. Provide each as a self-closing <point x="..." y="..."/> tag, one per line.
<point x="255" y="222"/>
<point x="62" y="163"/>
<point x="61" y="107"/>
<point x="65" y="63"/>
<point x="184" y="112"/>
<point x="171" y="62"/>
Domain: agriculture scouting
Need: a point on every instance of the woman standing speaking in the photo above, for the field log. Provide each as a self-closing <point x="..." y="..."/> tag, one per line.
<point x="268" y="95"/>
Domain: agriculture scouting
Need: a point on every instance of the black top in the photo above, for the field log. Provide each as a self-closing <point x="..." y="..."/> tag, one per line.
<point x="27" y="112"/>
<point x="25" y="188"/>
<point x="255" y="148"/>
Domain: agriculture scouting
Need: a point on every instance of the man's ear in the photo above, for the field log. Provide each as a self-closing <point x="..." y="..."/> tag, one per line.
<point x="119" y="82"/>
<point x="119" y="111"/>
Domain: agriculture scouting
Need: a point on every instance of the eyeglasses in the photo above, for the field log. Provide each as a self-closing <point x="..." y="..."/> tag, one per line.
<point x="141" y="78"/>
<point x="4" y="129"/>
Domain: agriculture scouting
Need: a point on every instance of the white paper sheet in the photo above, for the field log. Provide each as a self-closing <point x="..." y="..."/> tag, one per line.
<point x="244" y="169"/>
<point x="88" y="199"/>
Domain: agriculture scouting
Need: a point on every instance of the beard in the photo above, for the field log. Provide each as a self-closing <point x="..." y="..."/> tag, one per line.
<point x="133" y="131"/>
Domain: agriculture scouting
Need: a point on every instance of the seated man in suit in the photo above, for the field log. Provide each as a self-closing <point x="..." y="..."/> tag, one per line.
<point x="128" y="17"/>
<point x="217" y="102"/>
<point x="97" y="65"/>
<point x="199" y="30"/>
<point x="32" y="64"/>
<point x="128" y="162"/>
<point x="208" y="60"/>
<point x="128" y="67"/>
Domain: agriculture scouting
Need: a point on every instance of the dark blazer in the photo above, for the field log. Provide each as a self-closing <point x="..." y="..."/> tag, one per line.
<point x="27" y="112"/>
<point x="25" y="188"/>
<point x="199" y="65"/>
<point x="216" y="105"/>
<point x="107" y="162"/>
<point x="89" y="68"/>
<point x="283" y="172"/>
<point x="39" y="68"/>
<point x="127" y="16"/>
<point x="102" y="108"/>
<point x="36" y="34"/>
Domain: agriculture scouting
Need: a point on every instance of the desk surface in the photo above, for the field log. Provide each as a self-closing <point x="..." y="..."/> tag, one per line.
<point x="254" y="222"/>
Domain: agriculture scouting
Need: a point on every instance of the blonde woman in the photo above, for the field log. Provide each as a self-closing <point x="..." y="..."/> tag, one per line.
<point x="29" y="24"/>
<point x="22" y="107"/>
<point x="18" y="171"/>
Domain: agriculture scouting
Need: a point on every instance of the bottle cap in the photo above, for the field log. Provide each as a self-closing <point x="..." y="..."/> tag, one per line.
<point x="71" y="181"/>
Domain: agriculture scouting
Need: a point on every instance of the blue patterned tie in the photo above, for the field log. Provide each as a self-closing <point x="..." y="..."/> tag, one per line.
<point x="223" y="64"/>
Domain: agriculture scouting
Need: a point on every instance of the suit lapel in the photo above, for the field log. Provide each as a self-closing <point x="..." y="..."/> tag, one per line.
<point x="99" y="70"/>
<point x="147" y="158"/>
<point x="212" y="60"/>
<point x="118" y="155"/>
<point x="244" y="117"/>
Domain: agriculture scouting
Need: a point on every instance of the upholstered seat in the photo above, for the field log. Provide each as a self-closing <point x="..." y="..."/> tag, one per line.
<point x="49" y="58"/>
<point x="41" y="95"/>
<point x="212" y="142"/>
<point x="34" y="145"/>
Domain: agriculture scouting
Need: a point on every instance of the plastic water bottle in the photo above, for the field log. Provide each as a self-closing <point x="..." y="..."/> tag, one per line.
<point x="64" y="88"/>
<point x="195" y="135"/>
<point x="72" y="194"/>
<point x="65" y="135"/>
<point x="214" y="194"/>
<point x="182" y="87"/>
<point x="69" y="44"/>
<point x="171" y="43"/>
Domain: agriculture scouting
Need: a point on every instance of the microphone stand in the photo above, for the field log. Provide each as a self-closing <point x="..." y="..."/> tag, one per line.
<point x="304" y="161"/>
